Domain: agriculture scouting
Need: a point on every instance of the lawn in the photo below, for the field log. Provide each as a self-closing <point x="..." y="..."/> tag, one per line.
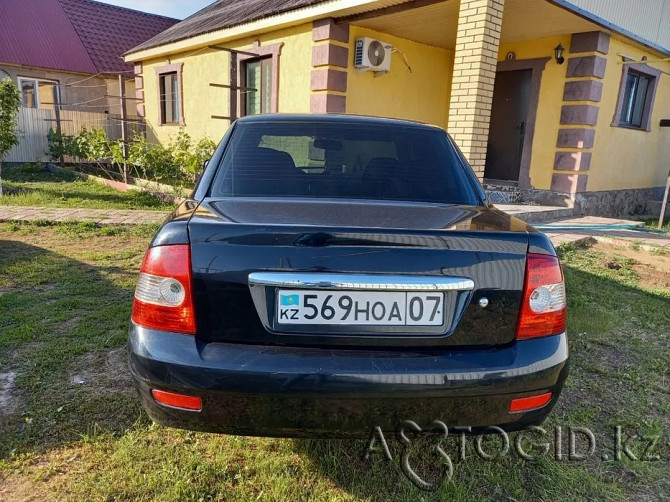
<point x="72" y="428"/>
<point x="30" y="186"/>
<point x="653" y="223"/>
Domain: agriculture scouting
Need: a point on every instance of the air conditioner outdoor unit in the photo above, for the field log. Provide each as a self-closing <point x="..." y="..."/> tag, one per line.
<point x="372" y="55"/>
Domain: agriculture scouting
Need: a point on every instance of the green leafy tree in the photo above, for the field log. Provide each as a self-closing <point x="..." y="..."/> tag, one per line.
<point x="10" y="101"/>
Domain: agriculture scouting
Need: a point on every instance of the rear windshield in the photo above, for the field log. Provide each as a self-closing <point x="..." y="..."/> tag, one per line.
<point x="343" y="160"/>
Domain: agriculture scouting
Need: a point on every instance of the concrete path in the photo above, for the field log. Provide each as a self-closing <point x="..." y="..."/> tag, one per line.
<point x="594" y="229"/>
<point x="99" y="216"/>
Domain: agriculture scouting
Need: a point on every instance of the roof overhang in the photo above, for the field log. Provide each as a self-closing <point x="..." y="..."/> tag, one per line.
<point x="333" y="8"/>
<point x="604" y="23"/>
<point x="346" y="9"/>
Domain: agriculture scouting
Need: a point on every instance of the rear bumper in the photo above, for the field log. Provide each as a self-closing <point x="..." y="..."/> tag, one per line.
<point x="321" y="392"/>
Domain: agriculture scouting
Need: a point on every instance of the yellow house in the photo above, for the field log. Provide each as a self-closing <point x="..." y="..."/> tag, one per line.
<point x="551" y="101"/>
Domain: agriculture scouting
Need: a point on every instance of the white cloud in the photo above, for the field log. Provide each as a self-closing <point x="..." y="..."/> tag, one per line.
<point x="179" y="9"/>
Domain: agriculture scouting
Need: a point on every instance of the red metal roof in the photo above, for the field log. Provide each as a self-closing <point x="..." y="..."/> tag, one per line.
<point x="73" y="35"/>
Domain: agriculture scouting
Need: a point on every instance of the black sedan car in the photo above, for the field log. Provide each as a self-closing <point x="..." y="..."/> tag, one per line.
<point x="331" y="275"/>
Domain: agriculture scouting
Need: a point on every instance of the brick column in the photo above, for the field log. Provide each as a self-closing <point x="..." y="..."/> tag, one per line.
<point x="330" y="58"/>
<point x="475" y="60"/>
<point x="139" y="89"/>
<point x="579" y="113"/>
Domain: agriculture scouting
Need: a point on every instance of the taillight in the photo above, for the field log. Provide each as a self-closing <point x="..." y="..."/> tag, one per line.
<point x="163" y="298"/>
<point x="543" y="307"/>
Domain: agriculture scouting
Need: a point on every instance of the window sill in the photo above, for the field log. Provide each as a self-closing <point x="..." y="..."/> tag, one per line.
<point x="631" y="128"/>
<point x="168" y="124"/>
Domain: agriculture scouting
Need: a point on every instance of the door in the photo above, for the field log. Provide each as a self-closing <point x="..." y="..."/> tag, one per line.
<point x="508" y="125"/>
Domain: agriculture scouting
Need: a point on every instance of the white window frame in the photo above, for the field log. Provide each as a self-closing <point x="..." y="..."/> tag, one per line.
<point x="37" y="81"/>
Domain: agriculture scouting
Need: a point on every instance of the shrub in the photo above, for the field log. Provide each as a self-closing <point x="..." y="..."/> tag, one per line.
<point x="180" y="161"/>
<point x="191" y="156"/>
<point x="61" y="145"/>
<point x="33" y="168"/>
<point x="10" y="101"/>
<point x="177" y="163"/>
<point x="152" y="160"/>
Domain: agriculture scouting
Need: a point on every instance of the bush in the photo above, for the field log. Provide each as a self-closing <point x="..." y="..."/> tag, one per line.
<point x="177" y="163"/>
<point x="33" y="168"/>
<point x="180" y="161"/>
<point x="191" y="156"/>
<point x="61" y="145"/>
<point x="153" y="161"/>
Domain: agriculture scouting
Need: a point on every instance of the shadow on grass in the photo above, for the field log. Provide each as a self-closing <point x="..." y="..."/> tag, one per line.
<point x="62" y="349"/>
<point x="19" y="174"/>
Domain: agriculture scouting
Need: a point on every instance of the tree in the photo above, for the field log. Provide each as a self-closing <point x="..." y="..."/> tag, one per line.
<point x="10" y="101"/>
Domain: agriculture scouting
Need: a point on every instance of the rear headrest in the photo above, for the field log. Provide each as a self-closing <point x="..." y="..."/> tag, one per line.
<point x="259" y="159"/>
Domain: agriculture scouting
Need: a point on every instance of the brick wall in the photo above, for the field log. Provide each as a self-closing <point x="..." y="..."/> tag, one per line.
<point x="475" y="60"/>
<point x="330" y="58"/>
<point x="579" y="113"/>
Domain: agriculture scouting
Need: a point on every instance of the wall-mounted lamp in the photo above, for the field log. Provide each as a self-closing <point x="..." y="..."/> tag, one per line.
<point x="558" y="53"/>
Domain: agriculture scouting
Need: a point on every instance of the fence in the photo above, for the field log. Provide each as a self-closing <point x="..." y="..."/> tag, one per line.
<point x="34" y="125"/>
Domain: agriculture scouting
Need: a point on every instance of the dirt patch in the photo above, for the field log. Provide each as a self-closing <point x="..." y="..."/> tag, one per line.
<point x="653" y="269"/>
<point x="102" y="373"/>
<point x="20" y="489"/>
<point x="614" y="359"/>
<point x="9" y="402"/>
<point x="69" y="325"/>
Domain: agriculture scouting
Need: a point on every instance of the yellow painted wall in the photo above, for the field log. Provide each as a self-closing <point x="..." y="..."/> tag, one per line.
<point x="548" y="116"/>
<point x="625" y="158"/>
<point x="205" y="65"/>
<point x="622" y="158"/>
<point x="422" y="95"/>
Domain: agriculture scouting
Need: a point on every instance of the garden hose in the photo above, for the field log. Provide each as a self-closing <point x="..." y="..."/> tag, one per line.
<point x="599" y="227"/>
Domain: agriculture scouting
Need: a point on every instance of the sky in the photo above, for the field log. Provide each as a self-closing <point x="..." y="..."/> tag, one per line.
<point x="179" y="9"/>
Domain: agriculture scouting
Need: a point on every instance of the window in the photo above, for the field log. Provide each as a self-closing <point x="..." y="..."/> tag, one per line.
<point x="258" y="78"/>
<point x="636" y="97"/>
<point x="258" y="83"/>
<point x="169" y="96"/>
<point x="346" y="160"/>
<point x="39" y="93"/>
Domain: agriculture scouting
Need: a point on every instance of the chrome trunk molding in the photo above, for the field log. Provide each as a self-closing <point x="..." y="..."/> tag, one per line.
<point x="369" y="282"/>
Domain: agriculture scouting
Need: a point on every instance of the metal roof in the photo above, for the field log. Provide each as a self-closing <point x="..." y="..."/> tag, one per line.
<point x="80" y="36"/>
<point x="647" y="22"/>
<point x="224" y="14"/>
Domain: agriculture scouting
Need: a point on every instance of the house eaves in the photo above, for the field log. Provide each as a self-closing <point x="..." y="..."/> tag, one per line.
<point x="294" y="17"/>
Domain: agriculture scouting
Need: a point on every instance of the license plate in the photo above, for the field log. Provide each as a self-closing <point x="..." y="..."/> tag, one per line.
<point x="369" y="308"/>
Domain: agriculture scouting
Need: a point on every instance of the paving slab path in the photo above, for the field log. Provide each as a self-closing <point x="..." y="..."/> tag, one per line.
<point x="98" y="216"/>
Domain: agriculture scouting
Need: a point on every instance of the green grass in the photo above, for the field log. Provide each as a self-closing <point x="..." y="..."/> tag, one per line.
<point x="653" y="223"/>
<point x="77" y="432"/>
<point x="28" y="186"/>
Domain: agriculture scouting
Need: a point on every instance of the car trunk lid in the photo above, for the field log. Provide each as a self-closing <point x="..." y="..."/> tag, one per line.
<point x="479" y="249"/>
